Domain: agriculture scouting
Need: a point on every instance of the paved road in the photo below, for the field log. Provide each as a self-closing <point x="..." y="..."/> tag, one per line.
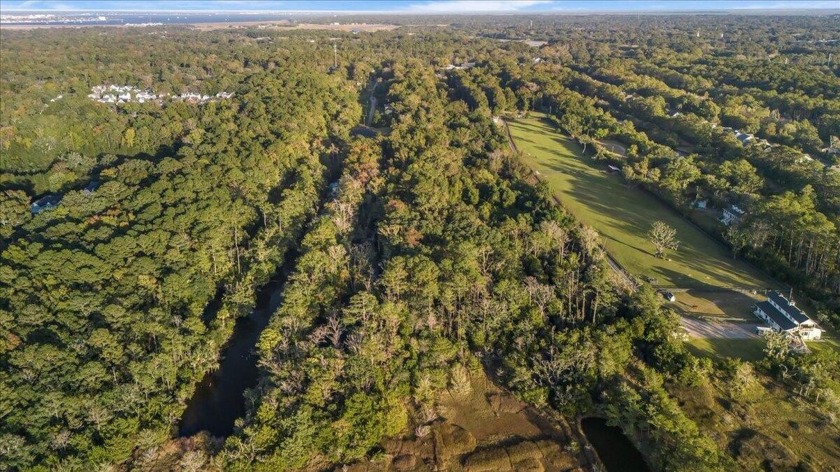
<point x="369" y="118"/>
<point x="718" y="329"/>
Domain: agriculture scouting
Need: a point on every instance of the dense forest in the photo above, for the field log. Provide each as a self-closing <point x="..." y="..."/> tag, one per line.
<point x="421" y="251"/>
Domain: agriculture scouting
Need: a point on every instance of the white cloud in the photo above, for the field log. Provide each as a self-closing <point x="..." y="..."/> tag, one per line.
<point x="472" y="6"/>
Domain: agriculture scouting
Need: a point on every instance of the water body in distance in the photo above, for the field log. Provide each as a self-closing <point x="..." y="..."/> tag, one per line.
<point x="614" y="448"/>
<point x="119" y="18"/>
<point x="219" y="399"/>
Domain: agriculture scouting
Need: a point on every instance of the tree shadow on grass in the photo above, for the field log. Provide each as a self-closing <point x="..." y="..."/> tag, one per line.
<point x="624" y="243"/>
<point x="618" y="211"/>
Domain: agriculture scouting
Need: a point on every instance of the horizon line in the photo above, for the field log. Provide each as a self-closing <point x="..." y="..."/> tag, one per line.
<point x="435" y="12"/>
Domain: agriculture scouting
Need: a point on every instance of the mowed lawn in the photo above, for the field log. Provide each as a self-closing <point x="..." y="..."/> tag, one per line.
<point x="751" y="349"/>
<point x="623" y="215"/>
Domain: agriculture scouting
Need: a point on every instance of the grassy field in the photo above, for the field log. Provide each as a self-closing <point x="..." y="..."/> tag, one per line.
<point x="719" y="349"/>
<point x="623" y="215"/>
<point x="723" y="304"/>
<point x="480" y="428"/>
<point x="829" y="341"/>
<point x="764" y="427"/>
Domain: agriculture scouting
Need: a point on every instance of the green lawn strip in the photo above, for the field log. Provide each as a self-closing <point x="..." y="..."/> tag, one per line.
<point x="828" y="342"/>
<point x="623" y="215"/>
<point x="719" y="348"/>
<point x="717" y="304"/>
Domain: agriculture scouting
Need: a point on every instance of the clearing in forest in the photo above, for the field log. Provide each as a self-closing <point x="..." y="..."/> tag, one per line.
<point x="623" y="216"/>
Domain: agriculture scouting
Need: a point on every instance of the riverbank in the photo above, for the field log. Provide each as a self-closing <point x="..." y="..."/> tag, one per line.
<point x="219" y="399"/>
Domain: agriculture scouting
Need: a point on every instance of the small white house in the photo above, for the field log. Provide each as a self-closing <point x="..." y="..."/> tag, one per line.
<point x="783" y="315"/>
<point x="731" y="214"/>
<point x="745" y="138"/>
<point x="45" y="204"/>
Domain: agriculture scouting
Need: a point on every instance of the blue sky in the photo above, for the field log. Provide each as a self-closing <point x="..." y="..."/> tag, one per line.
<point x="420" y="6"/>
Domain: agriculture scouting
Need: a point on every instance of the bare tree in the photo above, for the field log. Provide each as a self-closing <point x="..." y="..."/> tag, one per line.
<point x="335" y="330"/>
<point x="663" y="237"/>
<point x="557" y="235"/>
<point x="319" y="335"/>
<point x="343" y="215"/>
<point x="193" y="461"/>
<point x="540" y="295"/>
<point x="591" y="242"/>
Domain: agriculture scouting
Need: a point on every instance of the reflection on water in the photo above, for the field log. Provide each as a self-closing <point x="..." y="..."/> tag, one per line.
<point x="219" y="399"/>
<point x="614" y="448"/>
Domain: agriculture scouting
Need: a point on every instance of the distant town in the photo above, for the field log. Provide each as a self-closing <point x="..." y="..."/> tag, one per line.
<point x="119" y="94"/>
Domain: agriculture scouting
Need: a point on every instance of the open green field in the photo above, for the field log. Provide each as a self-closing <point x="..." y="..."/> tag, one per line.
<point x="829" y="341"/>
<point x="722" y="304"/>
<point x="718" y="349"/>
<point x="623" y="215"/>
<point x="765" y="426"/>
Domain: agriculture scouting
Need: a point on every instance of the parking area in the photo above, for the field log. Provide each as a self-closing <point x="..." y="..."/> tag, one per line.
<point x="700" y="328"/>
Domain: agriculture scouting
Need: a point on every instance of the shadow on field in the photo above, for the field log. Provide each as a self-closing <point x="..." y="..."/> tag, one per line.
<point x="623" y="216"/>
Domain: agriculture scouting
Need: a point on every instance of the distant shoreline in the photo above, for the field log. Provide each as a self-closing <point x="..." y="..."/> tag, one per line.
<point x="285" y="24"/>
<point x="282" y="24"/>
<point x="270" y="19"/>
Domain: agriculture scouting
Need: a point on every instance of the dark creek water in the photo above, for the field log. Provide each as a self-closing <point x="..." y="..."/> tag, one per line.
<point x="614" y="448"/>
<point x="218" y="400"/>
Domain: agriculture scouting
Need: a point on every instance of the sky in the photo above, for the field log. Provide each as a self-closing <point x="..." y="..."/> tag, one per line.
<point x="419" y="6"/>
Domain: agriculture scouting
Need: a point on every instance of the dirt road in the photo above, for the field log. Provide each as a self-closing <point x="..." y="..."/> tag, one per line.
<point x="698" y="328"/>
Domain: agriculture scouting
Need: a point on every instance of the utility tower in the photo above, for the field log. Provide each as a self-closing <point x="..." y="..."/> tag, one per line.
<point x="334" y="66"/>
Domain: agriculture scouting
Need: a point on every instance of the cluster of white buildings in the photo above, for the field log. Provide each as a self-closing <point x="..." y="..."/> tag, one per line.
<point x="119" y="94"/>
<point x="41" y="18"/>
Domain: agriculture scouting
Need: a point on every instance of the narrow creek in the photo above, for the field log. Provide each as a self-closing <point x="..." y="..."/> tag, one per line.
<point x="219" y="399"/>
<point x="614" y="449"/>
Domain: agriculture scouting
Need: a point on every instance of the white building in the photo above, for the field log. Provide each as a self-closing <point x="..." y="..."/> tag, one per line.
<point x="783" y="315"/>
<point x="744" y="138"/>
<point x="731" y="214"/>
<point x="45" y="204"/>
